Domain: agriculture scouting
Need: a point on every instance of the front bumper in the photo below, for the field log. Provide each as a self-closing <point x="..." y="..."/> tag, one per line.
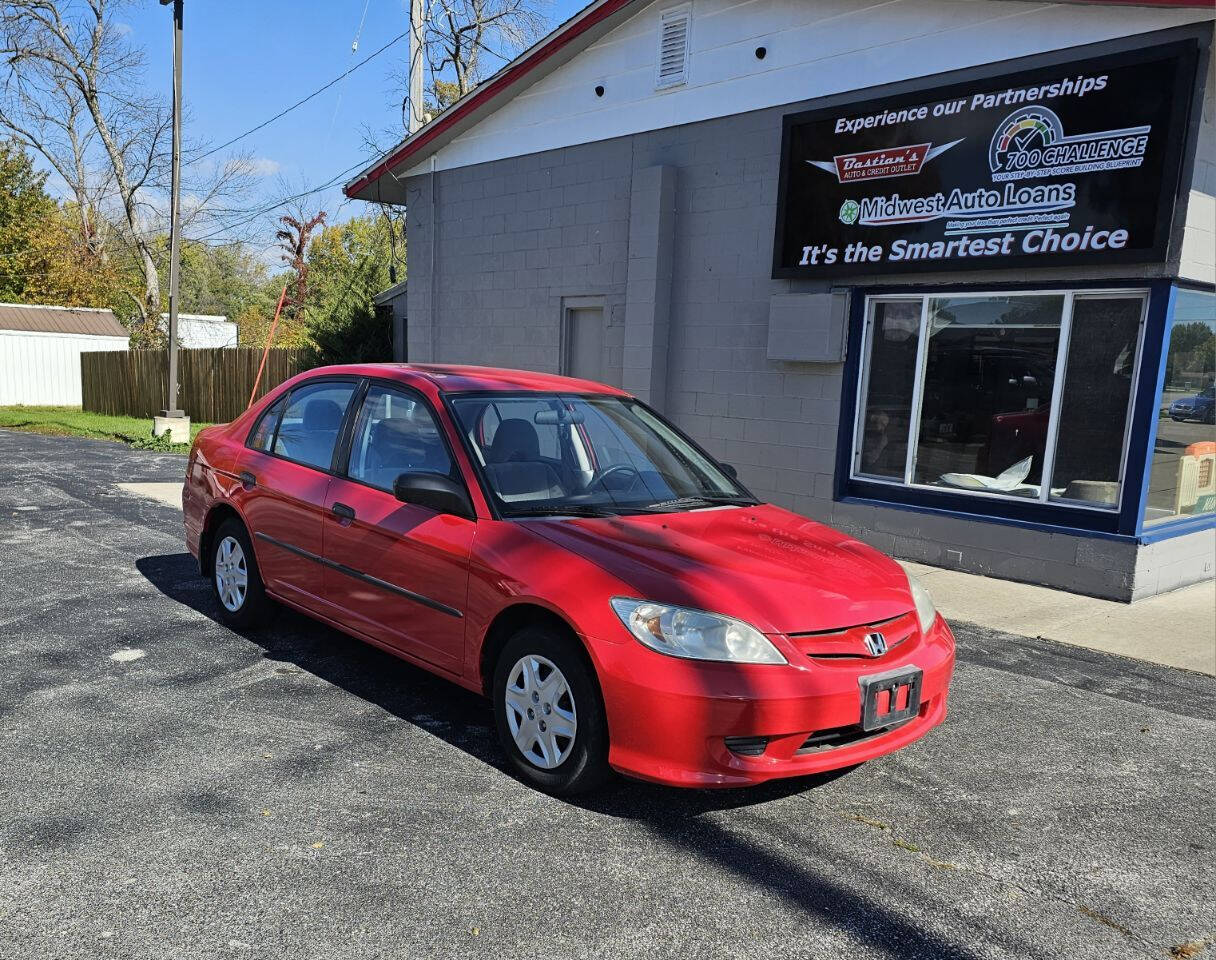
<point x="669" y="719"/>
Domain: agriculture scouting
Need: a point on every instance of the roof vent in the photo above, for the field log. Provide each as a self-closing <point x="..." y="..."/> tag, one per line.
<point x="673" y="47"/>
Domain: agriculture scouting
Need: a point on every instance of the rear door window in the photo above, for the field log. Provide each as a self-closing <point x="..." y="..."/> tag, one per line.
<point x="262" y="435"/>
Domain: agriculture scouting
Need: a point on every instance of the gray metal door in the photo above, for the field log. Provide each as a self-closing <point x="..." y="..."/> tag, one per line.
<point x="585" y="347"/>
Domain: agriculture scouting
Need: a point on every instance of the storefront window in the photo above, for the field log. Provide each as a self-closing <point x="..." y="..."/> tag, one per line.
<point x="1095" y="399"/>
<point x="989" y="375"/>
<point x="1012" y="395"/>
<point x="1182" y="476"/>
<point x="889" y="388"/>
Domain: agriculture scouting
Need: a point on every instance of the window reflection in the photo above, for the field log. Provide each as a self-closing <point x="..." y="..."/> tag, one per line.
<point x="989" y="374"/>
<point x="1182" y="477"/>
<point x="889" y="388"/>
<point x="1094" y="407"/>
<point x="970" y="382"/>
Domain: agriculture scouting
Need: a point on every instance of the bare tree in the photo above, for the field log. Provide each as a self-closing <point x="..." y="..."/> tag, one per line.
<point x="469" y="39"/>
<point x="293" y="238"/>
<point x="74" y="92"/>
<point x="49" y="117"/>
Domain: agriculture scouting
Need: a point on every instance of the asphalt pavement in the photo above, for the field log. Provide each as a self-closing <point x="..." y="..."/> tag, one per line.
<point x="171" y="789"/>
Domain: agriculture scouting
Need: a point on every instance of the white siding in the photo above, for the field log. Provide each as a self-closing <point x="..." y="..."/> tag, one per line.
<point x="197" y="331"/>
<point x="1198" y="260"/>
<point x="814" y="50"/>
<point x="43" y="369"/>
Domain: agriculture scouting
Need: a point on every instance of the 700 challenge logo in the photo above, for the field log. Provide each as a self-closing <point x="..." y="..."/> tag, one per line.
<point x="1031" y="143"/>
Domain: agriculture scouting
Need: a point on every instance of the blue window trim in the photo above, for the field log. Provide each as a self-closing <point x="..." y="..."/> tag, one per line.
<point x="1124" y="524"/>
<point x="1144" y="417"/>
<point x="1167" y="529"/>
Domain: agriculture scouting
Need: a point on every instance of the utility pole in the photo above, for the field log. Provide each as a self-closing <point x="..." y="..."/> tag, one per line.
<point x="416" y="50"/>
<point x="173" y="420"/>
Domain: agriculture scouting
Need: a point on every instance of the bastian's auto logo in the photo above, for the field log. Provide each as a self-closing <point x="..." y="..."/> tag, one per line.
<point x="849" y="211"/>
<point x="876" y="643"/>
<point x="882" y="163"/>
<point x="1031" y="142"/>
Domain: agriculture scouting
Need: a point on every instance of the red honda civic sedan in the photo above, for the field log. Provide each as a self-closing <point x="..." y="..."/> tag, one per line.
<point x="558" y="546"/>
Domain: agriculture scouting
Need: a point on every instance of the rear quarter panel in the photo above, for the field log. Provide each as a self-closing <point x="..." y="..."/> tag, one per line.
<point x="211" y="476"/>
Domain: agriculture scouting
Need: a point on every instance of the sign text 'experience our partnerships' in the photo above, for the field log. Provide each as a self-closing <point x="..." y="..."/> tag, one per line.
<point x="1072" y="163"/>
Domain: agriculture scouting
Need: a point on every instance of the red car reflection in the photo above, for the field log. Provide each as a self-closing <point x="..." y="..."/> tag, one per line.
<point x="558" y="546"/>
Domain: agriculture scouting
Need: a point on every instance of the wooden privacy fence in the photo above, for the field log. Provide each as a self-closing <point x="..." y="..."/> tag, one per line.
<point x="213" y="385"/>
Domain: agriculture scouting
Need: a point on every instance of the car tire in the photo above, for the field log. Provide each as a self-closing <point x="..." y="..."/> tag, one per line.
<point x="562" y="695"/>
<point x="235" y="579"/>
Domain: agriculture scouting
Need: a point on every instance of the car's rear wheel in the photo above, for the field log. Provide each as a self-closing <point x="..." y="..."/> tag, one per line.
<point x="235" y="577"/>
<point x="549" y="713"/>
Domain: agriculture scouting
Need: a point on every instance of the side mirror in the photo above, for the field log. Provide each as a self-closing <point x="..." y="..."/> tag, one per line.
<point x="435" y="492"/>
<point x="729" y="470"/>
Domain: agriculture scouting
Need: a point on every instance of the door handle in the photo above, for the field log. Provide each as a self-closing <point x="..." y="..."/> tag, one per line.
<point x="248" y="480"/>
<point x="342" y="511"/>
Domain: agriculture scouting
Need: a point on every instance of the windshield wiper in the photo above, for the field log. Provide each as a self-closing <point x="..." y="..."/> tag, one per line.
<point x="666" y="506"/>
<point x="570" y="510"/>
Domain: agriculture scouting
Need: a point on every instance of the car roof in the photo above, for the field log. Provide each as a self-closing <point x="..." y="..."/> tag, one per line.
<point x="464" y="378"/>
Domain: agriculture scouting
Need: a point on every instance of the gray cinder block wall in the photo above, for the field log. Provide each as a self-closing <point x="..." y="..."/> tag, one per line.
<point x="673" y="230"/>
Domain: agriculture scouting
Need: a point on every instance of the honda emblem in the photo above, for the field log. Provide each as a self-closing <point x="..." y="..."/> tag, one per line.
<point x="876" y="643"/>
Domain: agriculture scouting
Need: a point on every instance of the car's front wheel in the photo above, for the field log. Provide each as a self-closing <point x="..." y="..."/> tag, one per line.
<point x="549" y="713"/>
<point x="235" y="577"/>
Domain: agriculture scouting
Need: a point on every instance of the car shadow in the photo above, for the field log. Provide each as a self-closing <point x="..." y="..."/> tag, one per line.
<point x="444" y="709"/>
<point x="679" y="819"/>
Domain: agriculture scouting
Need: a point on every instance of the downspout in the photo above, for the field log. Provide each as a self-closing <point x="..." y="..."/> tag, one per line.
<point x="434" y="240"/>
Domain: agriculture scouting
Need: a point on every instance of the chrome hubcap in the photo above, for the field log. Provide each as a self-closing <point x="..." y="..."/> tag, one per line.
<point x="540" y="711"/>
<point x="231" y="574"/>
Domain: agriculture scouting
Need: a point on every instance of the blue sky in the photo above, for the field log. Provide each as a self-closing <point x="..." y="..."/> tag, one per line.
<point x="245" y="61"/>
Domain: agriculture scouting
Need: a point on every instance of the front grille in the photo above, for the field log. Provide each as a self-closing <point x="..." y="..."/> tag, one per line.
<point x="848" y="643"/>
<point x="747" y="746"/>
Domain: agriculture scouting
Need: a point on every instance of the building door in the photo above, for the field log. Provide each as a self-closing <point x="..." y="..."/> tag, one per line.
<point x="588" y="354"/>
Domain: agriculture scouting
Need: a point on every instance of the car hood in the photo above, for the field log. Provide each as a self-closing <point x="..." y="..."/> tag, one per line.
<point x="778" y="571"/>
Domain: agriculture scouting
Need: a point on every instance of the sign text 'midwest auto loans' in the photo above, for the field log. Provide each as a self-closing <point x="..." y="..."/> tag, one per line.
<point x="1072" y="163"/>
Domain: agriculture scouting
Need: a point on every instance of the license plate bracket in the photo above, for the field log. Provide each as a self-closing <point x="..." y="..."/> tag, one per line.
<point x="881" y="694"/>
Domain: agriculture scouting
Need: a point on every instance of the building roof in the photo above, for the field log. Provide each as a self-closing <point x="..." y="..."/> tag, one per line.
<point x="378" y="182"/>
<point x="68" y="320"/>
<point x="396" y="290"/>
<point x="539" y="60"/>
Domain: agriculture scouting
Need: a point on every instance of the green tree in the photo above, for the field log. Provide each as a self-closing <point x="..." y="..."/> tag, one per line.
<point x="348" y="264"/>
<point x="225" y="279"/>
<point x="25" y="207"/>
<point x="42" y="256"/>
<point x="1190" y="346"/>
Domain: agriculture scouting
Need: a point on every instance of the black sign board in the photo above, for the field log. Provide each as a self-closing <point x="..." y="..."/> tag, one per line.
<point x="1069" y="164"/>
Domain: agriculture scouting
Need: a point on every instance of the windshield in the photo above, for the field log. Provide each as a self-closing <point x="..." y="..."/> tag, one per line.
<point x="543" y="453"/>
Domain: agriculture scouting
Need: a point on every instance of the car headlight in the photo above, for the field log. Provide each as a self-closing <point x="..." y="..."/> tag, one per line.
<point x="926" y="612"/>
<point x="695" y="634"/>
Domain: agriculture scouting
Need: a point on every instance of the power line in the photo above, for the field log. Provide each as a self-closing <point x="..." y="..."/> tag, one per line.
<point x="282" y="203"/>
<point x="300" y="103"/>
<point x="354" y="48"/>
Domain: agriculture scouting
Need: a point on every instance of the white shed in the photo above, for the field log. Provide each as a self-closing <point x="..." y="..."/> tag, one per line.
<point x="201" y="330"/>
<point x="40" y="350"/>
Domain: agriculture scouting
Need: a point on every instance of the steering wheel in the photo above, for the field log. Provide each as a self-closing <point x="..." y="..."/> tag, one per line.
<point x="617" y="468"/>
